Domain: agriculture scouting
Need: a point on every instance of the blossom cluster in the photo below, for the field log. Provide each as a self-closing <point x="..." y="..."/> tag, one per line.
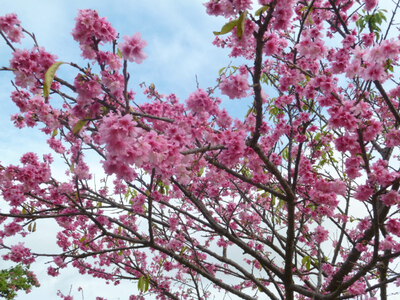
<point x="11" y="26"/>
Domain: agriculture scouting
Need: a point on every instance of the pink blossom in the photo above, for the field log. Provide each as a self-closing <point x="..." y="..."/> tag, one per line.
<point x="349" y="40"/>
<point x="242" y="5"/>
<point x="90" y="29"/>
<point x="234" y="86"/>
<point x="220" y="8"/>
<point x="370" y="4"/>
<point x="271" y="46"/>
<point x="347" y="143"/>
<point x="361" y="247"/>
<point x="284" y="100"/>
<point x="393" y="226"/>
<point x="86" y="87"/>
<point x="374" y="71"/>
<point x="388" y="243"/>
<point x="363" y="192"/>
<point x="358" y="288"/>
<point x="111" y="60"/>
<point x="381" y="173"/>
<point x="12" y="229"/>
<point x="311" y="49"/>
<point x="53" y="271"/>
<point x="391" y="198"/>
<point x="264" y="2"/>
<point x="56" y="145"/>
<point x="320" y="234"/>
<point x="224" y="120"/>
<point x="393" y="138"/>
<point x="337" y="186"/>
<point x="353" y="166"/>
<point x="342" y="116"/>
<point x="364" y="224"/>
<point x="19" y="253"/>
<point x="30" y="65"/>
<point x="201" y="102"/>
<point x="132" y="48"/>
<point x="369" y="39"/>
<point x="372" y="129"/>
<point x="283" y="13"/>
<point x="11" y="26"/>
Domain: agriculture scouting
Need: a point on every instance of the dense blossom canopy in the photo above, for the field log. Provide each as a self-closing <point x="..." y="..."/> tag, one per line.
<point x="298" y="199"/>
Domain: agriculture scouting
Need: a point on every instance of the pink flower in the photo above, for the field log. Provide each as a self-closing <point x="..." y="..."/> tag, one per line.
<point x="311" y="48"/>
<point x="264" y="2"/>
<point x="353" y="166"/>
<point x="393" y="138"/>
<point x="30" y="65"/>
<point x="368" y="39"/>
<point x="283" y="13"/>
<point x="321" y="234"/>
<point x="53" y="271"/>
<point x="381" y="174"/>
<point x="358" y="288"/>
<point x="391" y="198"/>
<point x="242" y="5"/>
<point x="388" y="243"/>
<point x="200" y="102"/>
<point x="219" y="8"/>
<point x="372" y="129"/>
<point x="363" y="192"/>
<point x="19" y="253"/>
<point x="393" y="226"/>
<point x="234" y="86"/>
<point x="56" y="145"/>
<point x="11" y="26"/>
<point x="370" y="4"/>
<point x="337" y="186"/>
<point x="90" y="29"/>
<point x="343" y="116"/>
<point x="12" y="229"/>
<point x="132" y="48"/>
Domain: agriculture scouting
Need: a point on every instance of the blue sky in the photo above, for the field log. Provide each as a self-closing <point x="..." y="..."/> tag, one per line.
<point x="179" y="36"/>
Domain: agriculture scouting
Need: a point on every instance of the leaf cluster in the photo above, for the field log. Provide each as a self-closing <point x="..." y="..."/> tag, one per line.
<point x="15" y="279"/>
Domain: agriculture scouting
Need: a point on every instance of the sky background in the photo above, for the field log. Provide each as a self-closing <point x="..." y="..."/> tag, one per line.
<point x="179" y="36"/>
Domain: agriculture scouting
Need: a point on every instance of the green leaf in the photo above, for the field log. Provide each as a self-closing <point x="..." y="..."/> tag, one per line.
<point x="261" y="10"/>
<point x="228" y="27"/>
<point x="104" y="110"/>
<point x="183" y="250"/>
<point x="141" y="284"/>
<point x="273" y="200"/>
<point x="389" y="65"/>
<point x="147" y="283"/>
<point x="78" y="126"/>
<point x="49" y="77"/>
<point x="55" y="132"/>
<point x="201" y="172"/>
<point x="221" y="71"/>
<point x="144" y="283"/>
<point x="306" y="261"/>
<point x="250" y="111"/>
<point x="119" y="53"/>
<point x="241" y="24"/>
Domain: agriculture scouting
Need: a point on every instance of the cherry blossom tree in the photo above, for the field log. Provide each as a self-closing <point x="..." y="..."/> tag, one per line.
<point x="297" y="200"/>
